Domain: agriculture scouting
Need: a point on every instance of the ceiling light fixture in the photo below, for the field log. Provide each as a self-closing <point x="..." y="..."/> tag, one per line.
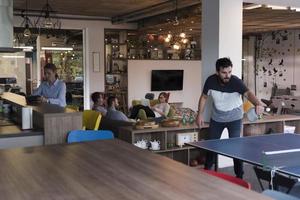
<point x="26" y="21"/>
<point x="45" y="20"/>
<point x="58" y="48"/>
<point x="25" y="48"/>
<point x="12" y="56"/>
<point x="176" y="21"/>
<point x="182" y="35"/>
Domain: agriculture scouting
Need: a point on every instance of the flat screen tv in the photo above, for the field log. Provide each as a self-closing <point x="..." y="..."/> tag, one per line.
<point x="166" y="80"/>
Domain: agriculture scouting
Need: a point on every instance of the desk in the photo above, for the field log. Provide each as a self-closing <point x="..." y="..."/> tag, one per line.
<point x="108" y="170"/>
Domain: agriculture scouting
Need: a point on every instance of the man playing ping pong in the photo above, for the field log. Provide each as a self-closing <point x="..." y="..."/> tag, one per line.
<point x="227" y="111"/>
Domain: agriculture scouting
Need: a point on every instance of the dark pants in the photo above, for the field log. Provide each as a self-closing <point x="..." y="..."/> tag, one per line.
<point x="215" y="132"/>
<point x="135" y="110"/>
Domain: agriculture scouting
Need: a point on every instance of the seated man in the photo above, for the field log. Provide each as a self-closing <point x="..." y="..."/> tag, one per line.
<point x="158" y="111"/>
<point x="98" y="99"/>
<point x="112" y="112"/>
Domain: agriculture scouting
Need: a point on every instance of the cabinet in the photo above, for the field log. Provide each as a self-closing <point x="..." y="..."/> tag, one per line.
<point x="116" y="61"/>
<point x="167" y="138"/>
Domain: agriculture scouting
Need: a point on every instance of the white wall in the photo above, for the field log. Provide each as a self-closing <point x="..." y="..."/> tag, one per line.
<point x="93" y="42"/>
<point x="14" y="67"/>
<point x="139" y="80"/>
<point x="295" y="3"/>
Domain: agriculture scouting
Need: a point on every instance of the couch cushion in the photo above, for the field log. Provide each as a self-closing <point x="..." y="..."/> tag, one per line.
<point x="113" y="125"/>
<point x="138" y="102"/>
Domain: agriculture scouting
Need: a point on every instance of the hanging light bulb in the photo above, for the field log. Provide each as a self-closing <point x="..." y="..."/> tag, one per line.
<point x="176" y="21"/>
<point x="167" y="39"/>
<point x="169" y="36"/>
<point x="182" y="34"/>
<point x="48" y="23"/>
<point x="176" y="46"/>
<point x="184" y="40"/>
<point x="27" y="32"/>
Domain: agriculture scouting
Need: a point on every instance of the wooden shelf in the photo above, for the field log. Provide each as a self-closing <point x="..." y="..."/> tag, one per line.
<point x="120" y="74"/>
<point x="116" y="44"/>
<point x="166" y="135"/>
<point x="122" y="59"/>
<point x="173" y="149"/>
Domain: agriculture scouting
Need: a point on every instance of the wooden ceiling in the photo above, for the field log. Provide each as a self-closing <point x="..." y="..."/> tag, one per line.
<point x="143" y="11"/>
<point x="254" y="21"/>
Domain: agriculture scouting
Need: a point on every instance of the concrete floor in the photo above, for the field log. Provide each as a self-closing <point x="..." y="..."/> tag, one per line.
<point x="250" y="177"/>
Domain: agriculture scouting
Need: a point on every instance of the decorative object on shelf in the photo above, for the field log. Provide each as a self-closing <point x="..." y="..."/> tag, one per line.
<point x="145" y="124"/>
<point x="155" y="145"/>
<point x="96" y="61"/>
<point x="182" y="138"/>
<point x="115" y="67"/>
<point x="184" y="119"/>
<point x="143" y="144"/>
<point x="170" y="122"/>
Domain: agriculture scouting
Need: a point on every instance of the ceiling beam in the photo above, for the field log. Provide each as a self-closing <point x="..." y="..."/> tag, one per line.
<point x="154" y="10"/>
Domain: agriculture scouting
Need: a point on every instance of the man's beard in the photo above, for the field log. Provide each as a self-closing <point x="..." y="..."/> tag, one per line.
<point x="224" y="81"/>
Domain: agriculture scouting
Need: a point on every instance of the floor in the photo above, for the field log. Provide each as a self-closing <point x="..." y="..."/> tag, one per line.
<point x="250" y="177"/>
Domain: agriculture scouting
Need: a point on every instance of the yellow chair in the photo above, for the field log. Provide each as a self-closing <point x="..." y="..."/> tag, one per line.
<point x="91" y="120"/>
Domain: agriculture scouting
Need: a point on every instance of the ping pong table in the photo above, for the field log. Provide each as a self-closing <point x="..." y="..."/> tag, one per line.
<point x="278" y="153"/>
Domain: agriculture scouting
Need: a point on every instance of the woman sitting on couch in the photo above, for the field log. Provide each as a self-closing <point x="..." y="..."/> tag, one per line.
<point x="158" y="111"/>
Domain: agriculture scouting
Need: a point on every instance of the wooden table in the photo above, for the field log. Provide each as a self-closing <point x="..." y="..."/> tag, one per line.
<point x="110" y="170"/>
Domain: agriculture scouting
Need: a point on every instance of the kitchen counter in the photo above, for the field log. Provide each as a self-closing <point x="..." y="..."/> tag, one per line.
<point x="52" y="120"/>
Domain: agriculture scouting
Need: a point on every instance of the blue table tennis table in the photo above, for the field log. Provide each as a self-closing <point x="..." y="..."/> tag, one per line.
<point x="280" y="153"/>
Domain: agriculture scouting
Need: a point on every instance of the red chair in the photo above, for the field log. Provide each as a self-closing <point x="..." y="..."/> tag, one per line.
<point x="229" y="178"/>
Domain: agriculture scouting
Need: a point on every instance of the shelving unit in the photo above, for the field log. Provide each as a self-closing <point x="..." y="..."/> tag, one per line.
<point x="167" y="135"/>
<point x="167" y="138"/>
<point x="116" y="79"/>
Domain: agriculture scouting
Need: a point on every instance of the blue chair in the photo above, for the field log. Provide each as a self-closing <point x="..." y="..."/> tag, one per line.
<point x="89" y="135"/>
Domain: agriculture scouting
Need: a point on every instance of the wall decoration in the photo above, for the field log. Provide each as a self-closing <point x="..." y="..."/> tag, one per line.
<point x="277" y="61"/>
<point x="96" y="61"/>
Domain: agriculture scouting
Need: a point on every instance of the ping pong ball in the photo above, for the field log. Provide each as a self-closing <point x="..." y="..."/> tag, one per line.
<point x="268" y="109"/>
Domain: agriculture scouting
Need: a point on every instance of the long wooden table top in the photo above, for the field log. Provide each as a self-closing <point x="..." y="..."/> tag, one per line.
<point x="110" y="170"/>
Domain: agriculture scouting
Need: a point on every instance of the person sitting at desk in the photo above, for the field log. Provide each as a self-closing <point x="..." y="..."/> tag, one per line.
<point x="98" y="99"/>
<point x="112" y="112"/>
<point x="52" y="90"/>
